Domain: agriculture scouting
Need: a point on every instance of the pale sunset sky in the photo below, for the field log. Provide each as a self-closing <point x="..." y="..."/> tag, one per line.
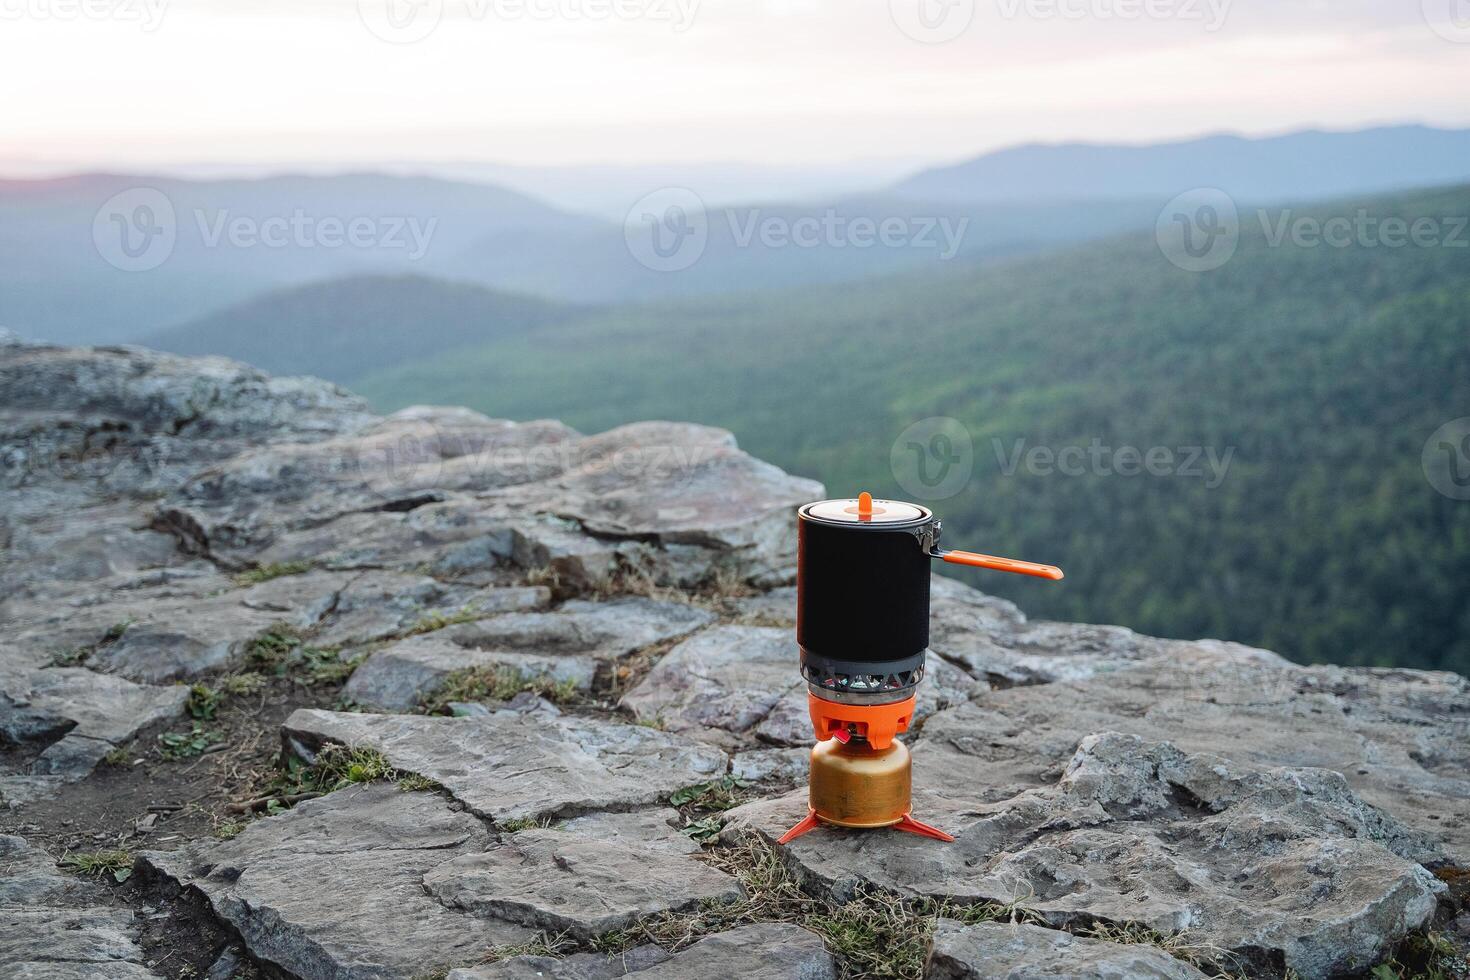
<point x="775" y="82"/>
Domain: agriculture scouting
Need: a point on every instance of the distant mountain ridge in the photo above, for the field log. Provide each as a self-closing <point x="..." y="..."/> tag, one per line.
<point x="1298" y="166"/>
<point x="58" y="282"/>
<point x="345" y="328"/>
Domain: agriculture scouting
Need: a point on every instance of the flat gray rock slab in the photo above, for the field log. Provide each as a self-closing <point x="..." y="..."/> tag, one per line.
<point x="774" y="608"/>
<point x="508" y="766"/>
<point x="577" y="966"/>
<point x="657" y="828"/>
<point x="158" y="640"/>
<point x="665" y="484"/>
<point x="1002" y="951"/>
<point x="1401" y="738"/>
<point x="379" y="604"/>
<point x="684" y="483"/>
<point x="727" y="678"/>
<point x="785" y="765"/>
<point x="575" y="881"/>
<point x="333" y="889"/>
<point x="1259" y="862"/>
<point x="993" y="640"/>
<point x="766" y="951"/>
<point x="565" y="645"/>
<point x="601" y="630"/>
<point x="72" y="717"/>
<point x="54" y="927"/>
<point x="399" y="677"/>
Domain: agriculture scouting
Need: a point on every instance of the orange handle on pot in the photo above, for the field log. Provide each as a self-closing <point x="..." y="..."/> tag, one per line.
<point x="1000" y="564"/>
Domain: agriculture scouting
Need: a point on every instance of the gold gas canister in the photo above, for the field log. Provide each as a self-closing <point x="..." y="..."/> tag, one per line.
<point x="862" y="626"/>
<point x="856" y="785"/>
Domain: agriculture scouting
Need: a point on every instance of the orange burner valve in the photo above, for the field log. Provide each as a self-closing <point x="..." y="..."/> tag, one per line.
<point x="876" y="724"/>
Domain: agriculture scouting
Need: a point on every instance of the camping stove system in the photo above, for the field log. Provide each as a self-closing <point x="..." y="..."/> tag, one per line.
<point x="862" y="623"/>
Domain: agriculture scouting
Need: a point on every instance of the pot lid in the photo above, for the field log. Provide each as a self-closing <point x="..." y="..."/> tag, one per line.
<point x="865" y="510"/>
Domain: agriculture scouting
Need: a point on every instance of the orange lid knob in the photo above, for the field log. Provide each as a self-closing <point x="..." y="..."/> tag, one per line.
<point x="865" y="504"/>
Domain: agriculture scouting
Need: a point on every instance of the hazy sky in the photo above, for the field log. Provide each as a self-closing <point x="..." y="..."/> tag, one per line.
<point x="768" y="81"/>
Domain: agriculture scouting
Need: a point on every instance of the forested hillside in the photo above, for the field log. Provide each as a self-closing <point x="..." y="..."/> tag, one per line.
<point x="344" y="328"/>
<point x="1319" y="372"/>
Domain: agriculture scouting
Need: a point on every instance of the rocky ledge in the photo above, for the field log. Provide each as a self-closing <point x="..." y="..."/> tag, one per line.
<point x="538" y="716"/>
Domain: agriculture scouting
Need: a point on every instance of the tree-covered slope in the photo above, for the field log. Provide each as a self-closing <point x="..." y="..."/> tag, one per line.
<point x="1319" y="372"/>
<point x="345" y="328"/>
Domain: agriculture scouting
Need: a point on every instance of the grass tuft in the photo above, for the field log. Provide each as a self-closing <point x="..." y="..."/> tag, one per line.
<point x="412" y="782"/>
<point x="118" y="757"/>
<point x="228" y="829"/>
<point x="118" y="864"/>
<point x="717" y="794"/>
<point x="433" y="621"/>
<point x="77" y="656"/>
<point x="185" y="745"/>
<point x="526" y="823"/>
<point x="203" y="702"/>
<point x="543" y="944"/>
<point x="282" y="651"/>
<point x="271" y="648"/>
<point x="278" y="569"/>
<point x="495" y="684"/>
<point x="1180" y="945"/>
<point x="337" y="766"/>
<point x="242" y="684"/>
